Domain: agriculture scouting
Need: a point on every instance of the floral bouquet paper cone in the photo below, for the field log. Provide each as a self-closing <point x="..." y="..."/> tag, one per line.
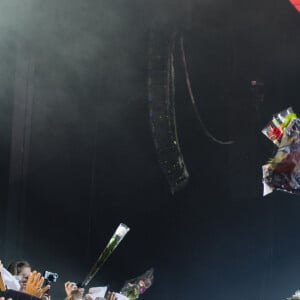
<point x="113" y="243"/>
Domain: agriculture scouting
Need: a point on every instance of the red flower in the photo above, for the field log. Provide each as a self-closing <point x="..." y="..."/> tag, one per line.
<point x="275" y="132"/>
<point x="296" y="4"/>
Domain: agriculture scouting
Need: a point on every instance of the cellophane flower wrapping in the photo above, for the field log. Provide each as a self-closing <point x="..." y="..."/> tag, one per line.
<point x="296" y="296"/>
<point x="283" y="170"/>
<point x="135" y="287"/>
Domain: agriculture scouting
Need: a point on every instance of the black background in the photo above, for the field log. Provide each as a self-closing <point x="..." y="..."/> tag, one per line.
<point x="91" y="159"/>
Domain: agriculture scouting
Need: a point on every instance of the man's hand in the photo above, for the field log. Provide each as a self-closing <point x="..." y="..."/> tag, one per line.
<point x="111" y="296"/>
<point x="46" y="296"/>
<point x="73" y="291"/>
<point x="34" y="285"/>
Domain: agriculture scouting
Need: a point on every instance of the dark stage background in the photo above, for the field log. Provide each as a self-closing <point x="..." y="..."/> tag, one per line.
<point x="77" y="156"/>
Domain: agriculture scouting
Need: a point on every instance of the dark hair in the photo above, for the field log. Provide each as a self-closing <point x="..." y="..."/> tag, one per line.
<point x="15" y="268"/>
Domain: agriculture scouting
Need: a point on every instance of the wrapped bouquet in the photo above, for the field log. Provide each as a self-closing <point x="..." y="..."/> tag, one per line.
<point x="282" y="172"/>
<point x="133" y="288"/>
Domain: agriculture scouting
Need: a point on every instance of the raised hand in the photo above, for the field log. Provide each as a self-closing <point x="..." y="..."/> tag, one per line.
<point x="111" y="296"/>
<point x="34" y="285"/>
<point x="73" y="291"/>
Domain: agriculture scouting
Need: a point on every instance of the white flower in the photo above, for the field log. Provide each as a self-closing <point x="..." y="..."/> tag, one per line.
<point x="296" y="296"/>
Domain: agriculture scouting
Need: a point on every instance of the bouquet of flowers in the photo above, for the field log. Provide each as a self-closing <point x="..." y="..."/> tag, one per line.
<point x="296" y="296"/>
<point x="133" y="288"/>
<point x="283" y="171"/>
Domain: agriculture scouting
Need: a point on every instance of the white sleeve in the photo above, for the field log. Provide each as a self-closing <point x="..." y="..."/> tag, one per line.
<point x="9" y="280"/>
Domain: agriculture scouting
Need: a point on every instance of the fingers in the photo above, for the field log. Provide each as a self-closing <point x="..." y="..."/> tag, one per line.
<point x="111" y="296"/>
<point x="31" y="277"/>
<point x="73" y="291"/>
<point x="45" y="289"/>
<point x="108" y="295"/>
<point x="70" y="287"/>
<point x="35" y="278"/>
<point x="34" y="285"/>
<point x="46" y="296"/>
<point x="40" y="281"/>
<point x="67" y="285"/>
<point x="81" y="291"/>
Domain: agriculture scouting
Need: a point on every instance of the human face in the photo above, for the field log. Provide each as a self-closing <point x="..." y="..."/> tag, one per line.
<point x="24" y="276"/>
<point x="25" y="272"/>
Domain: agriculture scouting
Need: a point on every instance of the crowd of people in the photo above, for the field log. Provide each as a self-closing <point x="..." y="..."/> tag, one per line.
<point x="19" y="277"/>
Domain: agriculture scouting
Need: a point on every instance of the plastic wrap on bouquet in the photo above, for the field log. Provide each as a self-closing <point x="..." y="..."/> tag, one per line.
<point x="275" y="128"/>
<point x="135" y="287"/>
<point x="296" y="296"/>
<point x="283" y="170"/>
